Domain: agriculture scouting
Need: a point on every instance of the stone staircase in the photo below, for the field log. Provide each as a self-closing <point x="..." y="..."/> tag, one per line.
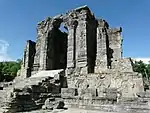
<point x="31" y="93"/>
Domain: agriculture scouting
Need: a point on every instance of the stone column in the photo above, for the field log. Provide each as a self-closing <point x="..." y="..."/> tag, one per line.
<point x="81" y="40"/>
<point x="81" y="44"/>
<point x="40" y="35"/>
<point x="71" y="26"/>
<point x="71" y="50"/>
<point x="101" y="56"/>
<point x="43" y="29"/>
<point x="115" y="42"/>
<point x="43" y="53"/>
<point x="28" y="59"/>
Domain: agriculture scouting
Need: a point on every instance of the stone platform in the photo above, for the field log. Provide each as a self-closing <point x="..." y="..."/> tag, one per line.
<point x="77" y="110"/>
<point x="70" y="110"/>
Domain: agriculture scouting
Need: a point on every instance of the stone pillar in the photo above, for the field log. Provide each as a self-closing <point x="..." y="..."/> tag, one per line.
<point x="115" y="42"/>
<point x="101" y="56"/>
<point x="43" y="53"/>
<point x="41" y="46"/>
<point x="28" y="59"/>
<point x="81" y="44"/>
<point x="44" y="46"/>
<point x="40" y="35"/>
<point x="81" y="39"/>
<point x="71" y="50"/>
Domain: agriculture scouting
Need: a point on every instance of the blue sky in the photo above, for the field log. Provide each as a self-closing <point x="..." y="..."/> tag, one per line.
<point x="18" y="20"/>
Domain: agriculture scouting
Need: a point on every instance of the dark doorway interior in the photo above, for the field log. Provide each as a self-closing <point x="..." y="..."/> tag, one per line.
<point x="91" y="45"/>
<point x="57" y="48"/>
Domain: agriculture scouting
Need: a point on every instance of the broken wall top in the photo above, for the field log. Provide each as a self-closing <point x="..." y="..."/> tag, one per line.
<point x="75" y="14"/>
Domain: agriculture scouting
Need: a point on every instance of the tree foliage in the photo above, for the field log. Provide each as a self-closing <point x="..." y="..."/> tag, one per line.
<point x="141" y="67"/>
<point x="8" y="70"/>
<point x="144" y="69"/>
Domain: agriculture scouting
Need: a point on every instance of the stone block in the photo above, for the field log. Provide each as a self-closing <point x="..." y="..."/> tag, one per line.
<point x="55" y="90"/>
<point x="111" y="93"/>
<point x="1" y="87"/>
<point x="84" y="70"/>
<point x="68" y="92"/>
<point x="122" y="65"/>
<point x="57" y="76"/>
<point x="143" y="94"/>
<point x="53" y="104"/>
<point x="88" y="93"/>
<point x="100" y="92"/>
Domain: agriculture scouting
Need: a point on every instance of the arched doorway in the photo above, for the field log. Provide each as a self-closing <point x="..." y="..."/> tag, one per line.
<point x="57" y="48"/>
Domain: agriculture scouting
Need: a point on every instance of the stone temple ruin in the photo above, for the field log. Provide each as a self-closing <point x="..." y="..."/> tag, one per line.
<point x="81" y="68"/>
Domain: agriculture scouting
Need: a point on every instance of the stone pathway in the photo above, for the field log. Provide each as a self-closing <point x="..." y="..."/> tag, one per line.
<point x="70" y="110"/>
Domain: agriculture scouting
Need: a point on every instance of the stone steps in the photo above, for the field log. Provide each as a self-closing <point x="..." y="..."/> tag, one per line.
<point x="31" y="93"/>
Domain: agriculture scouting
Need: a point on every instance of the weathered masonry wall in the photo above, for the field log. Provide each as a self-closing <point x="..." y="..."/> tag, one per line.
<point x="92" y="75"/>
<point x="89" y="46"/>
<point x="28" y="59"/>
<point x="51" y="46"/>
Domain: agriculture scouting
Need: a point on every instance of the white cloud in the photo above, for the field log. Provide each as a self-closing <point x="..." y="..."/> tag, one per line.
<point x="5" y="58"/>
<point x="3" y="51"/>
<point x="145" y="60"/>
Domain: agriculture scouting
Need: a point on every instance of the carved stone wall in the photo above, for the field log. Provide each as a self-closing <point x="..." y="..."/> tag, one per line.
<point x="128" y="84"/>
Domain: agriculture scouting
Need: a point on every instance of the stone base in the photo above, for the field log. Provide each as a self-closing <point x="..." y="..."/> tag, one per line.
<point x="106" y="105"/>
<point x="76" y="71"/>
<point x="127" y="84"/>
<point x="122" y="65"/>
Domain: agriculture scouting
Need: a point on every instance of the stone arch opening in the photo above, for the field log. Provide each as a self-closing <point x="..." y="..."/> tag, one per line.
<point x="91" y="45"/>
<point x="57" y="47"/>
<point x="63" y="28"/>
<point x="60" y="44"/>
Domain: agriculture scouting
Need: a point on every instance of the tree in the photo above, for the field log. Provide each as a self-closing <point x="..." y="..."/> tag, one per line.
<point x="140" y="67"/>
<point x="144" y="69"/>
<point x="8" y="70"/>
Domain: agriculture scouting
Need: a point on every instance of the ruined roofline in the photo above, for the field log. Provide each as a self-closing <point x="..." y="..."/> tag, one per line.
<point x="102" y="22"/>
<point x="63" y="15"/>
<point x="114" y="30"/>
<point x="30" y="41"/>
<point x="84" y="7"/>
<point x="78" y="9"/>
